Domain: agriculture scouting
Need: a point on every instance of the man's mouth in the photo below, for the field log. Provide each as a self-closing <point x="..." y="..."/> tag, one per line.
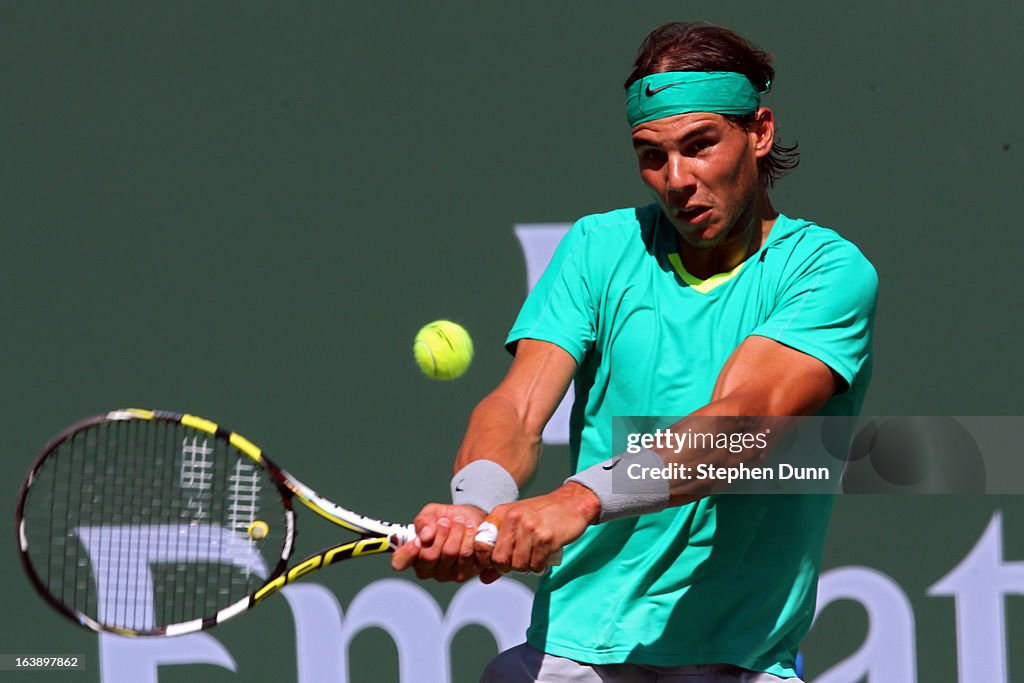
<point x="694" y="214"/>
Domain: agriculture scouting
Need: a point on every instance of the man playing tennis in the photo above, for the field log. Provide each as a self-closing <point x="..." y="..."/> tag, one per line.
<point x="707" y="303"/>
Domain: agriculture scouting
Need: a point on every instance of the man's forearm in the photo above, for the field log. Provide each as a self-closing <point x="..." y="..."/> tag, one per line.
<point x="738" y="441"/>
<point x="498" y="432"/>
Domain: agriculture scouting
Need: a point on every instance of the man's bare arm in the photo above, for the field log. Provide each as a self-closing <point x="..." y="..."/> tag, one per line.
<point x="766" y="377"/>
<point x="506" y="426"/>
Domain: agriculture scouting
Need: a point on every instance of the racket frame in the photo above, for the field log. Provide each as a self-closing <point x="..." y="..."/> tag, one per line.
<point x="377" y="536"/>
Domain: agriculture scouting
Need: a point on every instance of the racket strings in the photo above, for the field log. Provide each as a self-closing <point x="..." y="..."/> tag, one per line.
<point x="142" y="524"/>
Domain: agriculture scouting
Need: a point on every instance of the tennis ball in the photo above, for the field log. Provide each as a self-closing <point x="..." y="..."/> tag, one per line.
<point x="259" y="529"/>
<point x="443" y="349"/>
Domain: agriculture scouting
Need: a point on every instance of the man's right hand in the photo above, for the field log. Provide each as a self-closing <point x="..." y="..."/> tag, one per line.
<point x="443" y="547"/>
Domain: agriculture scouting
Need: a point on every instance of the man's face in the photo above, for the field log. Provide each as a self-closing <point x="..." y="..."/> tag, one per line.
<point x="703" y="169"/>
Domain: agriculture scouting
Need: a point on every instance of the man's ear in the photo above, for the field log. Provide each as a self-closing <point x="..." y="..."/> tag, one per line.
<point x="764" y="131"/>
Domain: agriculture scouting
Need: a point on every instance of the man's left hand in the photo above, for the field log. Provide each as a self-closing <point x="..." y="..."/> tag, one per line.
<point x="530" y="530"/>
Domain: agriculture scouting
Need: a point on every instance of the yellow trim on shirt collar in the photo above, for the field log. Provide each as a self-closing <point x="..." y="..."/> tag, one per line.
<point x="698" y="285"/>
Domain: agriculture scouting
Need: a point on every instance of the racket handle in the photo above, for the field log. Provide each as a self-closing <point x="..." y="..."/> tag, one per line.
<point x="402" y="534"/>
<point x="487" y="534"/>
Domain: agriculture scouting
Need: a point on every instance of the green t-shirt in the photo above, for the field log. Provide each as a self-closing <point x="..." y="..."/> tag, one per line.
<point x="731" y="578"/>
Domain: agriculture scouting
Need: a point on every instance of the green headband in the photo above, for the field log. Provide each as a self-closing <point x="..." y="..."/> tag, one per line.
<point x="682" y="92"/>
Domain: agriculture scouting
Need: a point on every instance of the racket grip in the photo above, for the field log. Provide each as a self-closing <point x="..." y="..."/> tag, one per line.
<point x="487" y="534"/>
<point x="402" y="534"/>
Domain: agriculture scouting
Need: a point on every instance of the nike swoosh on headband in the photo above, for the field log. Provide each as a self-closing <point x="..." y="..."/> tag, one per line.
<point x="652" y="93"/>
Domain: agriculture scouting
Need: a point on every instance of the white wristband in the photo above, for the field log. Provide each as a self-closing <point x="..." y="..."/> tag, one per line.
<point x="484" y="484"/>
<point x="621" y="487"/>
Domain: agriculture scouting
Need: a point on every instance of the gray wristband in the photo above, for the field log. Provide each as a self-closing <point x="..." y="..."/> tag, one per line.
<point x="623" y="487"/>
<point x="484" y="484"/>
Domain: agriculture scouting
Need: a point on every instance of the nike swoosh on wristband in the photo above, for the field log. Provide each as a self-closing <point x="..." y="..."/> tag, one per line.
<point x="612" y="466"/>
<point x="652" y="93"/>
<point x="458" y="487"/>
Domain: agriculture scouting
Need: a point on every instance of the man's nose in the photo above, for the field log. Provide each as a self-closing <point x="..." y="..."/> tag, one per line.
<point x="680" y="175"/>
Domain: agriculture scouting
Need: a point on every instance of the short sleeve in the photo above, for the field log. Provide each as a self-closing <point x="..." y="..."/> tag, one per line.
<point x="560" y="309"/>
<point x="826" y="308"/>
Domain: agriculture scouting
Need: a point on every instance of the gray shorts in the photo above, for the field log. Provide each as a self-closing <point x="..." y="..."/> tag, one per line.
<point x="525" y="664"/>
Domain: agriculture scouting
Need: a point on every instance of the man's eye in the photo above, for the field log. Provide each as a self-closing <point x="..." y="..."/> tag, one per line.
<point x="700" y="145"/>
<point x="652" y="155"/>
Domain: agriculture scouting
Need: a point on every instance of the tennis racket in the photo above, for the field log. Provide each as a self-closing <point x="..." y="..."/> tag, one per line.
<point x="152" y="523"/>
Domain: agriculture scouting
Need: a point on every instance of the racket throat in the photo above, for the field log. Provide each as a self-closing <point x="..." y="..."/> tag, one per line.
<point x="370" y="545"/>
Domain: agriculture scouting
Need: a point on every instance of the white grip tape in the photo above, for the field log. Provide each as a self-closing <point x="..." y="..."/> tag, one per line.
<point x="400" y="535"/>
<point x="487" y="534"/>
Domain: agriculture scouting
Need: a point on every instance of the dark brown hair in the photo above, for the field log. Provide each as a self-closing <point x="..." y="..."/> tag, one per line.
<point x="679" y="46"/>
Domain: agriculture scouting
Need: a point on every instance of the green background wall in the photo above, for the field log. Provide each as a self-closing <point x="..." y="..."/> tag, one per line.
<point x="246" y="210"/>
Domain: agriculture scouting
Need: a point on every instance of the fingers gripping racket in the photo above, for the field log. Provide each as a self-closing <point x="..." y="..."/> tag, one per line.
<point x="151" y="523"/>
